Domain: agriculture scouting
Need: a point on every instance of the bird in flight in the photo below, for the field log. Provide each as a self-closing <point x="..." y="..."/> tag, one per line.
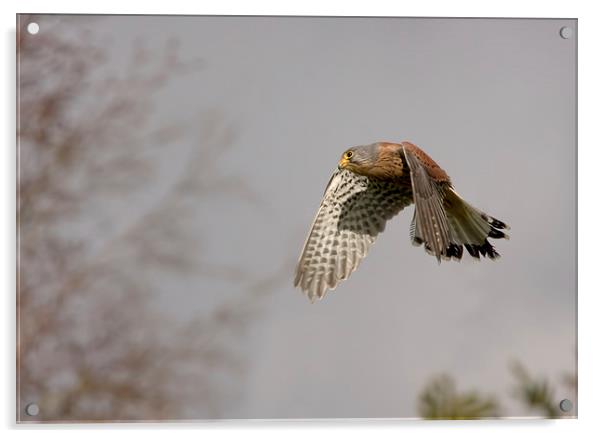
<point x="371" y="185"/>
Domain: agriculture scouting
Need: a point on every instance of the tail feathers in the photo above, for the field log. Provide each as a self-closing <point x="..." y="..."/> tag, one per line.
<point x="469" y="228"/>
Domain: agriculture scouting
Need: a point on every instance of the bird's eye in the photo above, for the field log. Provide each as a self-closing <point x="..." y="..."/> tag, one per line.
<point x="348" y="154"/>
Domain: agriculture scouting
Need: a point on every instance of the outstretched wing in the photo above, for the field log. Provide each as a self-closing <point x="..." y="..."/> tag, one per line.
<point x="430" y="225"/>
<point x="353" y="211"/>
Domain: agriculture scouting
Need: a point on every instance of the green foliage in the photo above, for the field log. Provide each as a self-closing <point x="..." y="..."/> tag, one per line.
<point x="441" y="400"/>
<point x="535" y="393"/>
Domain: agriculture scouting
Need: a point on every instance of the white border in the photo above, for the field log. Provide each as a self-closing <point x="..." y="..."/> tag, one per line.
<point x="590" y="290"/>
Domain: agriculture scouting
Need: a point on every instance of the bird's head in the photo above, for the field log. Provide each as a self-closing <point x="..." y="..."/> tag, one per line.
<point x="360" y="159"/>
<point x="377" y="160"/>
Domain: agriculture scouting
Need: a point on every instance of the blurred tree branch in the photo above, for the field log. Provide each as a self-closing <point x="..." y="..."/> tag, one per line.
<point x="91" y="346"/>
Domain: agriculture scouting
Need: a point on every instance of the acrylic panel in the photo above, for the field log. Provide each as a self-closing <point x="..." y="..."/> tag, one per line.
<point x="170" y="169"/>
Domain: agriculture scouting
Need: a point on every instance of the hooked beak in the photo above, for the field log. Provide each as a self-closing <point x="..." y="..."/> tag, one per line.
<point x="343" y="163"/>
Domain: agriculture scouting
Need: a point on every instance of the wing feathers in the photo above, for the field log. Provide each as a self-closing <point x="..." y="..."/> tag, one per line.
<point x="353" y="211"/>
<point x="431" y="222"/>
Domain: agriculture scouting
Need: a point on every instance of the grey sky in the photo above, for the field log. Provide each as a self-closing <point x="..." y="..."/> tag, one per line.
<point x="492" y="101"/>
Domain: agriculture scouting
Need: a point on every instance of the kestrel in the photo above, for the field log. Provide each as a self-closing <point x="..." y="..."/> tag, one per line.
<point x="371" y="185"/>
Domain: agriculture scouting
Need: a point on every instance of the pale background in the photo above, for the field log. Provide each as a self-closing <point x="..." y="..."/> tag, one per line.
<point x="492" y="101"/>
